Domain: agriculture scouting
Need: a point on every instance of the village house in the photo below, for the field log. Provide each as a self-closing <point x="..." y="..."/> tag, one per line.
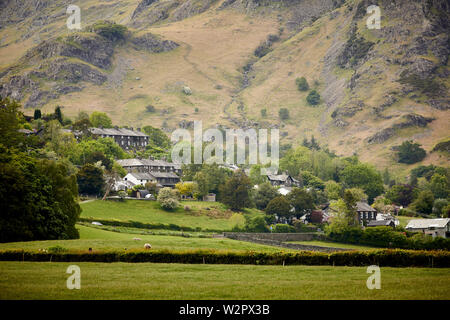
<point x="126" y="138"/>
<point x="163" y="179"/>
<point x="149" y="165"/>
<point x="432" y="227"/>
<point x="283" y="180"/>
<point x="365" y="213"/>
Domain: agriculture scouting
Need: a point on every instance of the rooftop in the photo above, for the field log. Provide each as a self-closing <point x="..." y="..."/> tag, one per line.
<point x="427" y="223"/>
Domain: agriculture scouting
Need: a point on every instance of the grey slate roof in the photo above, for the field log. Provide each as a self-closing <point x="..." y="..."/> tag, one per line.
<point x="142" y="175"/>
<point x="129" y="162"/>
<point x="279" y="177"/>
<point x="427" y="223"/>
<point x="376" y="223"/>
<point x="364" y="206"/>
<point x="117" y="132"/>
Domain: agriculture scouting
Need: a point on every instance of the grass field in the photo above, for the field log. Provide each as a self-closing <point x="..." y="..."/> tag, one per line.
<point x="43" y="280"/>
<point x="334" y="245"/>
<point x="216" y="218"/>
<point x="107" y="240"/>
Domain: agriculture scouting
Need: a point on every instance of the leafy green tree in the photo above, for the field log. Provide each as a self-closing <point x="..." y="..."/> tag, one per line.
<point x="111" y="176"/>
<point x="313" y="98"/>
<point x="209" y="179"/>
<point x="363" y="176"/>
<point x="264" y="194"/>
<point x="409" y="152"/>
<point x="439" y="186"/>
<point x="301" y="200"/>
<point x="10" y="119"/>
<point x="401" y="194"/>
<point x="37" y="114"/>
<point x="83" y="126"/>
<point x="438" y="206"/>
<point x="235" y="193"/>
<point x="302" y="84"/>
<point x="358" y="194"/>
<point x="423" y="203"/>
<point x="157" y="137"/>
<point x="90" y="180"/>
<point x="310" y="180"/>
<point x="83" y="150"/>
<point x="100" y="119"/>
<point x="279" y="206"/>
<point x="350" y="208"/>
<point x="333" y="190"/>
<point x="255" y="175"/>
<point x="255" y="224"/>
<point x="38" y="199"/>
<point x="58" y="114"/>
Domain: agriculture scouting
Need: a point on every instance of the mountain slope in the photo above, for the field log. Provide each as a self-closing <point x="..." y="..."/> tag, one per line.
<point x="378" y="87"/>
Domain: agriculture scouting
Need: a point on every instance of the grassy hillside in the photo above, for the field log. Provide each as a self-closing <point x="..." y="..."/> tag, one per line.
<point x="202" y="215"/>
<point x="100" y="240"/>
<point x="231" y="85"/>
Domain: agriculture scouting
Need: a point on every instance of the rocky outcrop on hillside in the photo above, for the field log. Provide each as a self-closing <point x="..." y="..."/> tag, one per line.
<point x="153" y="43"/>
<point x="91" y="48"/>
<point x="409" y="120"/>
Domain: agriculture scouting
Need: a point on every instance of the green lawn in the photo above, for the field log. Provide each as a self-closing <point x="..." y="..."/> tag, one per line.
<point x="98" y="239"/>
<point x="47" y="280"/>
<point x="334" y="245"/>
<point x="404" y="220"/>
<point x="216" y="218"/>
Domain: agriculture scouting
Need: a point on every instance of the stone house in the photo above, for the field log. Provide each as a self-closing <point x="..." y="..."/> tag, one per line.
<point x="433" y="227"/>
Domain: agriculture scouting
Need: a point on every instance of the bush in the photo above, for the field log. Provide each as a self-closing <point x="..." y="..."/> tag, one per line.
<point x="256" y="224"/>
<point x="313" y="98"/>
<point x="168" y="198"/>
<point x="388" y="238"/>
<point x="409" y="153"/>
<point x="302" y="84"/>
<point x="283" y="228"/>
<point x="150" y="108"/>
<point x="283" y="114"/>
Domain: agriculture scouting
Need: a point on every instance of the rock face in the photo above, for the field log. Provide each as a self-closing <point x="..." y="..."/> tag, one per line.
<point x="410" y="120"/>
<point x="92" y="49"/>
<point x="153" y="43"/>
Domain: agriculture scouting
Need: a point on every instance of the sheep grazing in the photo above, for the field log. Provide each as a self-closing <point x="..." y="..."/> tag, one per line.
<point x="137" y="239"/>
<point x="147" y="246"/>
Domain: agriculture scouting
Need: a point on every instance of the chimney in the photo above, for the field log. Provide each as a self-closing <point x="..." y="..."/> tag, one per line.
<point x="131" y="128"/>
<point x="116" y="127"/>
<point x="139" y="129"/>
<point x="100" y="126"/>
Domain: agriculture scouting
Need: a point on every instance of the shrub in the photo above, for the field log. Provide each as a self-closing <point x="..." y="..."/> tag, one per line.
<point x="256" y="224"/>
<point x="302" y="84"/>
<point x="168" y="198"/>
<point x="150" y="108"/>
<point x="264" y="112"/>
<point x="313" y="98"/>
<point x="283" y="113"/>
<point x="283" y="228"/>
<point x="409" y="153"/>
<point x="109" y="30"/>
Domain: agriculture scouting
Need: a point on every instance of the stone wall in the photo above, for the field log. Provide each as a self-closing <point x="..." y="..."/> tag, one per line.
<point x="272" y="236"/>
<point x="278" y="240"/>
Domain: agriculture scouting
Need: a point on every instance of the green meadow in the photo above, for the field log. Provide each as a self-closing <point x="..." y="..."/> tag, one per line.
<point x="47" y="280"/>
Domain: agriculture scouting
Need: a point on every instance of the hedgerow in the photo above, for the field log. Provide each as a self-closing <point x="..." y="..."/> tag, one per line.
<point x="385" y="257"/>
